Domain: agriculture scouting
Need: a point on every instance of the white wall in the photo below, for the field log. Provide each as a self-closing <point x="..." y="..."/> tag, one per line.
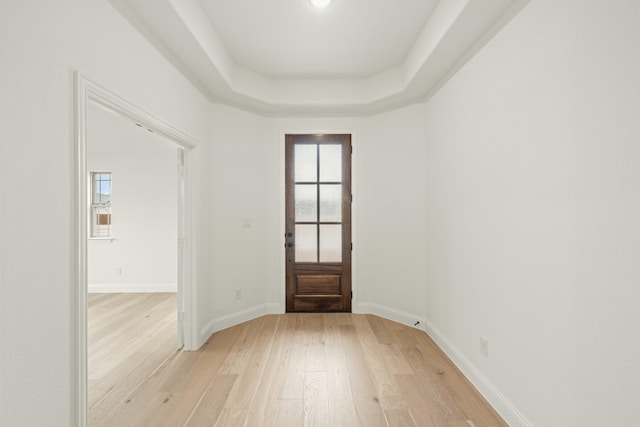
<point x="391" y="211"/>
<point x="41" y="44"/>
<point x="247" y="182"/>
<point x="143" y="255"/>
<point x="533" y="206"/>
<point x="235" y="191"/>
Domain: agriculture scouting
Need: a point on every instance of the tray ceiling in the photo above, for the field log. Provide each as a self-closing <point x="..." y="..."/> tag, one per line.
<point x="354" y="57"/>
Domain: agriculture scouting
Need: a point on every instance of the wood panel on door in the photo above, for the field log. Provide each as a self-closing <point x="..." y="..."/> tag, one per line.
<point x="318" y="222"/>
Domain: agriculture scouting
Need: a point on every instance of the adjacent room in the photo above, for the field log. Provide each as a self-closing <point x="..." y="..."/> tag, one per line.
<point x="356" y="212"/>
<point x="132" y="256"/>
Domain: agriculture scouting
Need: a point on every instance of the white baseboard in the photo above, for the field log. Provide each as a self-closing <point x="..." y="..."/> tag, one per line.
<point x="500" y="403"/>
<point x="391" y="314"/>
<point x="236" y="318"/>
<point x="131" y="288"/>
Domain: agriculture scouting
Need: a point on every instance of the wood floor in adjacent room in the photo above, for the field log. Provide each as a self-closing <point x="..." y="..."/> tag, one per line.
<point x="278" y="370"/>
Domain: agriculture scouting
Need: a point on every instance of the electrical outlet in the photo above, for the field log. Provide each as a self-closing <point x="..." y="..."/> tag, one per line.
<point x="246" y="223"/>
<point x="119" y="271"/>
<point x="238" y="294"/>
<point x="484" y="347"/>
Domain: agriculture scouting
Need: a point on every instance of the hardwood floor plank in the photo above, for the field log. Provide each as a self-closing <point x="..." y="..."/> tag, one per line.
<point x="431" y="382"/>
<point x="342" y="409"/>
<point x="405" y="337"/>
<point x="232" y="417"/>
<point x="292" y="388"/>
<point x="136" y="331"/>
<point x="460" y="400"/>
<point x="312" y="324"/>
<point x="424" y="411"/>
<point x="210" y="407"/>
<point x="343" y="413"/>
<point x="238" y="356"/>
<point x="248" y="379"/>
<point x="399" y="418"/>
<point x="379" y="328"/>
<point x="394" y="359"/>
<point x="116" y="373"/>
<point x="363" y="387"/>
<point x="316" y="400"/>
<point x="107" y="392"/>
<point x="389" y="393"/>
<point x="264" y="406"/>
<point x="302" y="369"/>
<point x="188" y="378"/>
<point x="290" y="413"/>
<point x="113" y="313"/>
<point x="335" y="359"/>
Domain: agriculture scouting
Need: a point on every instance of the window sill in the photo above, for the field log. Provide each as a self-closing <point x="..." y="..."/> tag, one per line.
<point x="102" y="239"/>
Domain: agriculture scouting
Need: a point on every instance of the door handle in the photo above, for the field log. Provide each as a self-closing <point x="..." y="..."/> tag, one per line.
<point x="289" y="245"/>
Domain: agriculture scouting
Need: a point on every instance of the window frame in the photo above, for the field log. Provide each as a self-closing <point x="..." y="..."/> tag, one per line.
<point x="96" y="230"/>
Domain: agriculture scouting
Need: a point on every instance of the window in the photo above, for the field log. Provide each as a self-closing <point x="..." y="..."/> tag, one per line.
<point x="100" y="204"/>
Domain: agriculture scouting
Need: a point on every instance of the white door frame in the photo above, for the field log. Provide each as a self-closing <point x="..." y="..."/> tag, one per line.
<point x="86" y="92"/>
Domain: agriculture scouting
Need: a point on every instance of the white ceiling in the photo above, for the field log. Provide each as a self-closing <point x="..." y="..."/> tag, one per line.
<point x="355" y="57"/>
<point x="292" y="39"/>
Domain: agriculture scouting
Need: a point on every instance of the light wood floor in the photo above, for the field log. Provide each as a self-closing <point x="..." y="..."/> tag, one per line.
<point x="279" y="370"/>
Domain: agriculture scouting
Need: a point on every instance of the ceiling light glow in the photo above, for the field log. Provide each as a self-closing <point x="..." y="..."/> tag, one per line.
<point x="320" y="3"/>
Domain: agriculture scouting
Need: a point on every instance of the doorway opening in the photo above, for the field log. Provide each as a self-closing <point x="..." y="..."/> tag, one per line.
<point x="89" y="94"/>
<point x="132" y="324"/>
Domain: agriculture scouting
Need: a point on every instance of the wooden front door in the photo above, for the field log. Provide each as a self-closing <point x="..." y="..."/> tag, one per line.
<point x="318" y="222"/>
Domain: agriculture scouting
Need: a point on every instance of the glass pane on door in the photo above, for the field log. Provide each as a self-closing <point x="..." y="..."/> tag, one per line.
<point x="331" y="202"/>
<point x="330" y="163"/>
<point x="306" y="203"/>
<point x="331" y="243"/>
<point x="306" y="163"/>
<point x="306" y="238"/>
